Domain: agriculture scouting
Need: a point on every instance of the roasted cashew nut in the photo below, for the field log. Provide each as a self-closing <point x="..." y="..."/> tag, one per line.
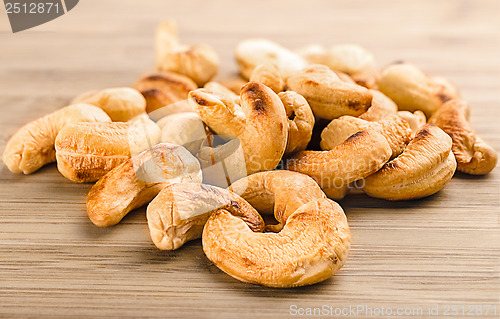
<point x="423" y="169"/>
<point x="382" y="106"/>
<point x="138" y="180"/>
<point x="269" y="75"/>
<point x="259" y="122"/>
<point x="281" y="192"/>
<point x="327" y="95"/>
<point x="219" y="89"/>
<point x="32" y="146"/>
<point x="312" y="246"/>
<point x="186" y="129"/>
<point x="416" y="120"/>
<point x="473" y="155"/>
<point x="179" y="212"/>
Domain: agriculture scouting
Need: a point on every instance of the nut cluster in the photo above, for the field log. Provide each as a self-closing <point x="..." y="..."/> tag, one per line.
<point x="297" y="131"/>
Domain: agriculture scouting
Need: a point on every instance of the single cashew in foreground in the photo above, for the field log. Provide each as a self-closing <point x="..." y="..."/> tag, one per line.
<point x="416" y="120"/>
<point x="394" y="128"/>
<point x="32" y="146"/>
<point x="382" y="106"/>
<point x="86" y="151"/>
<point x="138" y="180"/>
<point x="423" y="169"/>
<point x="360" y="155"/>
<point x="312" y="246"/>
<point x="121" y="104"/>
<point x="300" y="121"/>
<point x="179" y="212"/>
<point x="253" y="52"/>
<point x="412" y="90"/>
<point x="278" y="192"/>
<point x="269" y="74"/>
<point x="473" y="155"/>
<point x="259" y="122"/>
<point x="327" y="95"/>
<point x="164" y="88"/>
<point x="199" y="62"/>
<point x="184" y="129"/>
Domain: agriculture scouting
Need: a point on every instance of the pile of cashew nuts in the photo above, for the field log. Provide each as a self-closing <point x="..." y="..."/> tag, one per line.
<point x="294" y="132"/>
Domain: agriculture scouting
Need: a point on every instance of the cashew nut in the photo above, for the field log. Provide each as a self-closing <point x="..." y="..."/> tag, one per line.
<point x="300" y="121"/>
<point x="164" y="88"/>
<point x="87" y="151"/>
<point x="198" y="62"/>
<point x="121" y="104"/>
<point x="382" y="106"/>
<point x="328" y="96"/>
<point x="423" y="169"/>
<point x="473" y="155"/>
<point x="138" y="180"/>
<point x="416" y="120"/>
<point x="32" y="146"/>
<point x="259" y="122"/>
<point x="179" y="212"/>
<point x="269" y="74"/>
<point x="220" y="89"/>
<point x="184" y="129"/>
<point x="312" y="246"/>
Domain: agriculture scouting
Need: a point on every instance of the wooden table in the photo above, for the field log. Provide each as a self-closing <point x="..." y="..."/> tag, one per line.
<point x="442" y="251"/>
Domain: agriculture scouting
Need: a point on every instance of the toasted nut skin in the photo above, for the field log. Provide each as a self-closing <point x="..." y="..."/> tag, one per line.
<point x="164" y="88"/>
<point x="281" y="192"/>
<point x="121" y="104"/>
<point x="220" y="89"/>
<point x="186" y="129"/>
<point x="269" y="74"/>
<point x="253" y="52"/>
<point x="412" y="90"/>
<point x="473" y="155"/>
<point x="86" y="151"/>
<point x="362" y="154"/>
<point x="416" y="120"/>
<point x="179" y="212"/>
<point x="261" y="117"/>
<point x="300" y="121"/>
<point x="328" y="96"/>
<point x="199" y="62"/>
<point x="312" y="246"/>
<point x="138" y="180"/>
<point x="423" y="169"/>
<point x="394" y="128"/>
<point x="382" y="106"/>
<point x="32" y="146"/>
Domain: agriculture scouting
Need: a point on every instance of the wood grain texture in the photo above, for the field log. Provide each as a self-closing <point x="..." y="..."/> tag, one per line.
<point x="443" y="250"/>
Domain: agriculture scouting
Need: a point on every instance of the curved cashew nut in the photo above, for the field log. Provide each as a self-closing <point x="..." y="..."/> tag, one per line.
<point x="138" y="180"/>
<point x="164" y="88"/>
<point x="198" y="62"/>
<point x="253" y="52"/>
<point x="32" y="146"/>
<point x="473" y="155"/>
<point x="300" y="121"/>
<point x="312" y="246"/>
<point x="179" y="212"/>
<point x="423" y="169"/>
<point x="261" y="117"/>
<point x="220" y="89"/>
<point x="269" y="75"/>
<point x="328" y="96"/>
<point x="186" y="129"/>
<point x="394" y="128"/>
<point x="121" y="104"/>
<point x="382" y="106"/>
<point x="280" y="191"/>
<point x="362" y="154"/>
<point x="416" y="120"/>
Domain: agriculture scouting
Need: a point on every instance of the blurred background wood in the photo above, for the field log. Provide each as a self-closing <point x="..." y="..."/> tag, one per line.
<point x="443" y="250"/>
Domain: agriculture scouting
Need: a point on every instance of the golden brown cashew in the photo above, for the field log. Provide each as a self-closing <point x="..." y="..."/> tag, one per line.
<point x="164" y="88"/>
<point x="412" y="90"/>
<point x="220" y="89"/>
<point x="312" y="246"/>
<point x="269" y="74"/>
<point x="382" y="106"/>
<point x="184" y="129"/>
<point x="416" y="120"/>
<point x="198" y="62"/>
<point x="473" y="155"/>
<point x="280" y="191"/>
<point x="260" y="122"/>
<point x="423" y="169"/>
<point x="328" y="96"/>
<point x="300" y="121"/>
<point x="179" y="212"/>
<point x="87" y="151"/>
<point x="138" y="180"/>
<point x="362" y="154"/>
<point x="121" y="104"/>
<point x="32" y="146"/>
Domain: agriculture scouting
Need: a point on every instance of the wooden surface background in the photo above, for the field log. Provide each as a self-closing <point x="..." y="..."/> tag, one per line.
<point x="443" y="250"/>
